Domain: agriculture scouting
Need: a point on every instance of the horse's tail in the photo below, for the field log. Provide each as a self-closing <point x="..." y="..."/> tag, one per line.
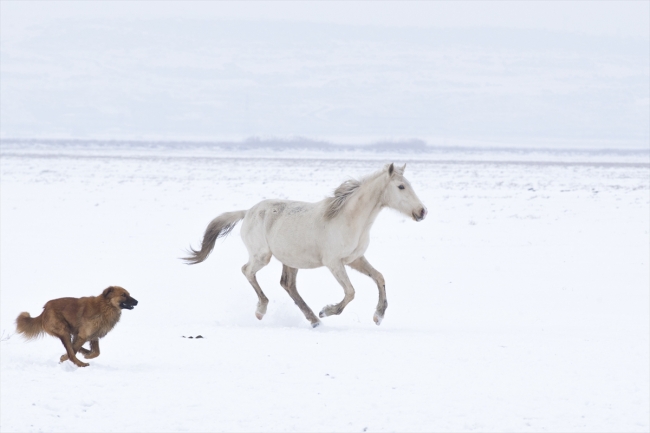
<point x="29" y="327"/>
<point x="219" y="227"/>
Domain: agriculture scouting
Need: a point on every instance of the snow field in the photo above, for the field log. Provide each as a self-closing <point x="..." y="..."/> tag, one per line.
<point x="520" y="304"/>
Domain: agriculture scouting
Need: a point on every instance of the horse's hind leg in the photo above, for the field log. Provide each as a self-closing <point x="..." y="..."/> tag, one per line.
<point x="338" y="270"/>
<point x="362" y="265"/>
<point x="255" y="263"/>
<point x="288" y="282"/>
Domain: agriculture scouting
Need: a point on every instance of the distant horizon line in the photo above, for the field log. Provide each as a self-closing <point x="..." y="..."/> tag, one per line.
<point x="372" y="144"/>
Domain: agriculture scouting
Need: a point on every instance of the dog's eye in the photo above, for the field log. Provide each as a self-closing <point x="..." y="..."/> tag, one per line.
<point x="401" y="187"/>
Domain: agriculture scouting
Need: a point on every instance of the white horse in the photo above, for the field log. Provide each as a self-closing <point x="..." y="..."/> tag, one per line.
<point x="333" y="232"/>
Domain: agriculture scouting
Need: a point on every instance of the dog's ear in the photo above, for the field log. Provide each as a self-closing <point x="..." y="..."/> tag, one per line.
<point x="107" y="292"/>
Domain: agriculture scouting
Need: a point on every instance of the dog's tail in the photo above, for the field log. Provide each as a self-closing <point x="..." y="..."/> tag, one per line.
<point x="29" y="327"/>
<point x="219" y="227"/>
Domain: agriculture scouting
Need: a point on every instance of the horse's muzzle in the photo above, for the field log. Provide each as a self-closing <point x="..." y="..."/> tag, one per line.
<point x="419" y="216"/>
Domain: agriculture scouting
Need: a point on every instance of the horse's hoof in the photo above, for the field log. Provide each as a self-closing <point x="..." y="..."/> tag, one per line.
<point x="315" y="324"/>
<point x="377" y="318"/>
<point x="330" y="310"/>
<point x="259" y="315"/>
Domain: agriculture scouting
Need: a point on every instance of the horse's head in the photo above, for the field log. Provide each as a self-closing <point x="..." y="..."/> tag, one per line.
<point x="399" y="194"/>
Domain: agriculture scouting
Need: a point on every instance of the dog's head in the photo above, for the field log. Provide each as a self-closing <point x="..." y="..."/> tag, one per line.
<point x="119" y="298"/>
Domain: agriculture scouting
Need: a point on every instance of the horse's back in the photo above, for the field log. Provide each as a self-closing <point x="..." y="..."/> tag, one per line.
<point x="287" y="229"/>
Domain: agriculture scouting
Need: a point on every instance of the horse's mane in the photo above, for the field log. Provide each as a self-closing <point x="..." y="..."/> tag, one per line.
<point x="341" y="194"/>
<point x="335" y="204"/>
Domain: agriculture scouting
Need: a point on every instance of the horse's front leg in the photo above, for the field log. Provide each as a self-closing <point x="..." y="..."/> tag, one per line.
<point x="338" y="270"/>
<point x="362" y="265"/>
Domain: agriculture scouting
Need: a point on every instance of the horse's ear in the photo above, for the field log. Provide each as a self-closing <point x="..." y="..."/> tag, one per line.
<point x="403" y="168"/>
<point x="391" y="169"/>
<point x="106" y="293"/>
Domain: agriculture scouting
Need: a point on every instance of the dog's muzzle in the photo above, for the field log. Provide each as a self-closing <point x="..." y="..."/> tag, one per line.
<point x="128" y="304"/>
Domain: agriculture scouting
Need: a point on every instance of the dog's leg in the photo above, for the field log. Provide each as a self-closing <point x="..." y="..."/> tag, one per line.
<point x="83" y="350"/>
<point x="94" y="350"/>
<point x="65" y="339"/>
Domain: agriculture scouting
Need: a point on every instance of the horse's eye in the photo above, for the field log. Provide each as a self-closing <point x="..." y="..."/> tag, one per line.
<point x="401" y="187"/>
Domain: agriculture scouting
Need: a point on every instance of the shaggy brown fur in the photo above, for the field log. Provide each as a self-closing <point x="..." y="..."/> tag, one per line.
<point x="83" y="319"/>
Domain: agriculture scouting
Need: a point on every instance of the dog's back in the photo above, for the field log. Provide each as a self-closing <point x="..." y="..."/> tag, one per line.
<point x="59" y="316"/>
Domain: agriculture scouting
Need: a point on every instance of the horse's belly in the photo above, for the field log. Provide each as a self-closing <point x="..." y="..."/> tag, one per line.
<point x="294" y="242"/>
<point x="299" y="263"/>
<point x="297" y="238"/>
<point x="297" y="257"/>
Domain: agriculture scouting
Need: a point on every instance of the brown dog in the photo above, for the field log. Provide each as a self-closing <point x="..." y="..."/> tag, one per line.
<point x="85" y="319"/>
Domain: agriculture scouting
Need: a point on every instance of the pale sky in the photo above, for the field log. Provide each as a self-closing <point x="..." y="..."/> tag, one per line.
<point x="625" y="18"/>
<point x="445" y="72"/>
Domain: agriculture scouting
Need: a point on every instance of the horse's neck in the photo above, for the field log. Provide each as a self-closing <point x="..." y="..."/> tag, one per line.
<point x="365" y="205"/>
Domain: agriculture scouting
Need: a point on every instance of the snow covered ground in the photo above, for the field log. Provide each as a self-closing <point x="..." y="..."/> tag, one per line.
<point x="520" y="304"/>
